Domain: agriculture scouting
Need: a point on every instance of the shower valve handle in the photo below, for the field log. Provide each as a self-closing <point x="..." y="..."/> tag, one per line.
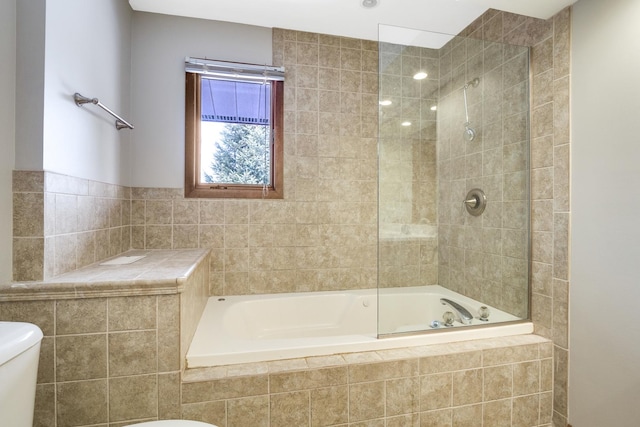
<point x="471" y="202"/>
<point x="475" y="201"/>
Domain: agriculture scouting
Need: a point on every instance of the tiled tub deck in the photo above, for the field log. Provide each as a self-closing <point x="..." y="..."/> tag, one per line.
<point x="492" y="383"/>
<point x="116" y="338"/>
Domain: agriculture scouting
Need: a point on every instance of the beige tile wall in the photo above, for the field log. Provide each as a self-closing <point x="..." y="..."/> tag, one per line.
<point x="484" y="257"/>
<point x="322" y="236"/>
<point x="192" y="302"/>
<point x="407" y="167"/>
<point x="407" y="161"/>
<point x="408" y="261"/>
<point x="550" y="148"/>
<point x="103" y="360"/>
<point x="62" y="223"/>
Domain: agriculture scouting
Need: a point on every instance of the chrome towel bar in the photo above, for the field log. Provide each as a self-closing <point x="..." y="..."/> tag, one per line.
<point x="120" y="122"/>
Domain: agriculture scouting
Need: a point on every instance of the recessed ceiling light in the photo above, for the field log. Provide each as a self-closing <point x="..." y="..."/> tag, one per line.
<point x="406" y="123"/>
<point x="385" y="102"/>
<point x="420" y="75"/>
<point x="434" y="107"/>
<point x="369" y="3"/>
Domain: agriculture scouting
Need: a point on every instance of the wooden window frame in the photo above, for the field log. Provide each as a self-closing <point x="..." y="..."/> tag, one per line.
<point x="194" y="189"/>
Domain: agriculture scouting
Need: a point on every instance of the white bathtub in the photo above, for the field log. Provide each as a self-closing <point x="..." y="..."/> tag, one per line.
<point x="254" y="328"/>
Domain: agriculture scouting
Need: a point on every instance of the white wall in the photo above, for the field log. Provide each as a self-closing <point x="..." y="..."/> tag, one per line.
<point x="7" y="130"/>
<point x="160" y="44"/>
<point x="88" y="50"/>
<point x="29" y="83"/>
<point x="605" y="277"/>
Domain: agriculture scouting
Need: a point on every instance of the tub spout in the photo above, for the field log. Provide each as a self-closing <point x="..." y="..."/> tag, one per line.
<point x="463" y="313"/>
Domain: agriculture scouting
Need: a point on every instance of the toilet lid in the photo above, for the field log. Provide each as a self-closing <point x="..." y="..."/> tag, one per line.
<point x="173" y="423"/>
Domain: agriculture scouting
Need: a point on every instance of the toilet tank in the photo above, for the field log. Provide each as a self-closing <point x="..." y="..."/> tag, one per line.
<point x="19" y="353"/>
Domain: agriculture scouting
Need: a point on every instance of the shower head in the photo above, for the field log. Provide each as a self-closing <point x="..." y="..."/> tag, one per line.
<point x="469" y="133"/>
<point x="473" y="82"/>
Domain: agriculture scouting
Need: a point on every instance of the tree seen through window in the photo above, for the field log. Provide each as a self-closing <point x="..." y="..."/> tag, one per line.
<point x="239" y="155"/>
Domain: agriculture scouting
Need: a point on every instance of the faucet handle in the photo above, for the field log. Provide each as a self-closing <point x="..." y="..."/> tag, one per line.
<point x="448" y="318"/>
<point x="483" y="313"/>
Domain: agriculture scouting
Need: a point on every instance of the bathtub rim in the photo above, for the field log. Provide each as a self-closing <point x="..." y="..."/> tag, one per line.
<point x="443" y="330"/>
<point x="461" y="335"/>
<point x="197" y="357"/>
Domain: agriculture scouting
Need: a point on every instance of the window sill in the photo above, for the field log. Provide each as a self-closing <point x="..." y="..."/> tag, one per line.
<point x="233" y="192"/>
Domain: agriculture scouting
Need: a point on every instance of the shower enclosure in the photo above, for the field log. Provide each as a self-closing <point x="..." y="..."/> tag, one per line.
<point x="453" y="171"/>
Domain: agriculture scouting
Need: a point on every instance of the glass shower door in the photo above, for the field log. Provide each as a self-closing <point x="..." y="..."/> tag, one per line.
<point x="453" y="184"/>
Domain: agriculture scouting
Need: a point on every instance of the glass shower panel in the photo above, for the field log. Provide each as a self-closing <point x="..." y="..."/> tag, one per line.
<point x="453" y="183"/>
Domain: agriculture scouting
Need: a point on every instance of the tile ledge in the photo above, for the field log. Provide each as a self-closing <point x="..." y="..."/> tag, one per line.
<point x="161" y="272"/>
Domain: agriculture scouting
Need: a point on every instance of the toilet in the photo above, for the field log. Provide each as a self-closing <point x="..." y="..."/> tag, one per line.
<point x="19" y="354"/>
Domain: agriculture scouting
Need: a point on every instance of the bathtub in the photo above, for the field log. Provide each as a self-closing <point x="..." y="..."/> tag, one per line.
<point x="256" y="328"/>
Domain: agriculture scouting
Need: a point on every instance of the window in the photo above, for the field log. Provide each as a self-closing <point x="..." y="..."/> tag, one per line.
<point x="233" y="130"/>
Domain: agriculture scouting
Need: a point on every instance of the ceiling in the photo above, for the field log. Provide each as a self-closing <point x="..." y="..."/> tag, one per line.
<point x="348" y="17"/>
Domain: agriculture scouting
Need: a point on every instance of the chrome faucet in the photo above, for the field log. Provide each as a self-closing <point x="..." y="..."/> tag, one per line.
<point x="463" y="313"/>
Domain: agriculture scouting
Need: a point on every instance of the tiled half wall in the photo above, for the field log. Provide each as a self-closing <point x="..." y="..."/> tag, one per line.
<point x="62" y="223"/>
<point x="111" y="359"/>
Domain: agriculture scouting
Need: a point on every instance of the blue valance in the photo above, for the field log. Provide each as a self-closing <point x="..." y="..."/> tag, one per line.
<point x="230" y="101"/>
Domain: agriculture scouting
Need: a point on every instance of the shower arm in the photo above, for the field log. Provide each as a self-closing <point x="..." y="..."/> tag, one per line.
<point x="466" y="109"/>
